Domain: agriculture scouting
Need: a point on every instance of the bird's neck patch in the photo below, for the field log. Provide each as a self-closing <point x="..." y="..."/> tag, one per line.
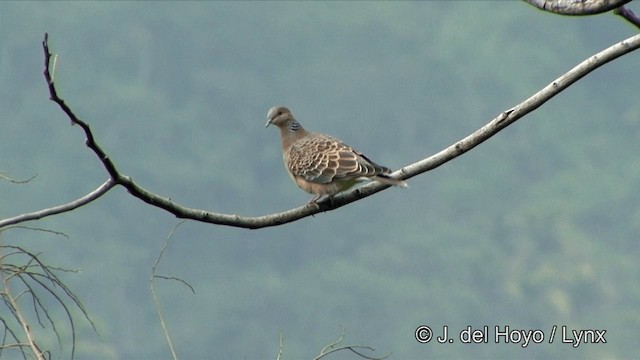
<point x="294" y="126"/>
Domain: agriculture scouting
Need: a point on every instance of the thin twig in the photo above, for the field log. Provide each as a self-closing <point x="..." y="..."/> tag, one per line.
<point x="155" y="296"/>
<point x="6" y="178"/>
<point x="333" y="347"/>
<point x="280" y="347"/>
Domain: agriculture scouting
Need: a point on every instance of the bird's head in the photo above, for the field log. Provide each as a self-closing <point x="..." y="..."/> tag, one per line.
<point x="279" y="116"/>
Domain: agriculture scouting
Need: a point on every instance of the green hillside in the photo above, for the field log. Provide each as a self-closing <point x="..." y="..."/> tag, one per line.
<point x="538" y="227"/>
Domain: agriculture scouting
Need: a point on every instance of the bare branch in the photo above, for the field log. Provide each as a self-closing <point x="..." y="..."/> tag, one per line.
<point x="25" y="327"/>
<point x="279" y="357"/>
<point x="503" y="120"/>
<point x="34" y="275"/>
<point x="6" y="178"/>
<point x="101" y="190"/>
<point x="628" y="15"/>
<point x="90" y="142"/>
<point x="8" y="332"/>
<point x="577" y="7"/>
<point x="12" y="303"/>
<point x="155" y="296"/>
<point x="587" y="7"/>
<point x="35" y="229"/>
<point x="333" y="347"/>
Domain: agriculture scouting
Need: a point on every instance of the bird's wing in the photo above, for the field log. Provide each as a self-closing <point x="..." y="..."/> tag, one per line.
<point x="323" y="159"/>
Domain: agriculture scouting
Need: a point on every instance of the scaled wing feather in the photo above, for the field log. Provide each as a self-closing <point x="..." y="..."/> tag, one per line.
<point x="321" y="159"/>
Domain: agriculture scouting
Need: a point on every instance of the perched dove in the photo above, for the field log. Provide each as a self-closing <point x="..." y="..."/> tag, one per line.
<point x="320" y="164"/>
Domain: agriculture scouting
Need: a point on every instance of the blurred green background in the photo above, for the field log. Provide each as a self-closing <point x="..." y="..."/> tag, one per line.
<point x="539" y="226"/>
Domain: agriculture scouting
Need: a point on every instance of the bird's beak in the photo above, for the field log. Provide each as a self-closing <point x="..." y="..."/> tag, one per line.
<point x="268" y="123"/>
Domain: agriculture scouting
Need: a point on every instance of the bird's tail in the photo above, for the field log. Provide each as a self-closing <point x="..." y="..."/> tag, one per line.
<point x="386" y="179"/>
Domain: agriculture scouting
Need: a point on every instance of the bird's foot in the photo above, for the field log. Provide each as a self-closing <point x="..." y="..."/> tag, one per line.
<point x="314" y="202"/>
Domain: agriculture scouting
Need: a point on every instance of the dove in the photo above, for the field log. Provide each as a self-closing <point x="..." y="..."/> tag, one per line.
<point x="321" y="164"/>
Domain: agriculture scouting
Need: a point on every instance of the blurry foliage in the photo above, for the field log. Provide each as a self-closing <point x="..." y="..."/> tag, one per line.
<point x="537" y="227"/>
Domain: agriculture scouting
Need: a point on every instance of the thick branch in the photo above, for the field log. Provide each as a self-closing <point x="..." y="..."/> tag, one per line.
<point x="577" y="7"/>
<point x="503" y="120"/>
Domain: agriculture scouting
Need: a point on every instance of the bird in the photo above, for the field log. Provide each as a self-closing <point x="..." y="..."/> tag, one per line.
<point x="321" y="164"/>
